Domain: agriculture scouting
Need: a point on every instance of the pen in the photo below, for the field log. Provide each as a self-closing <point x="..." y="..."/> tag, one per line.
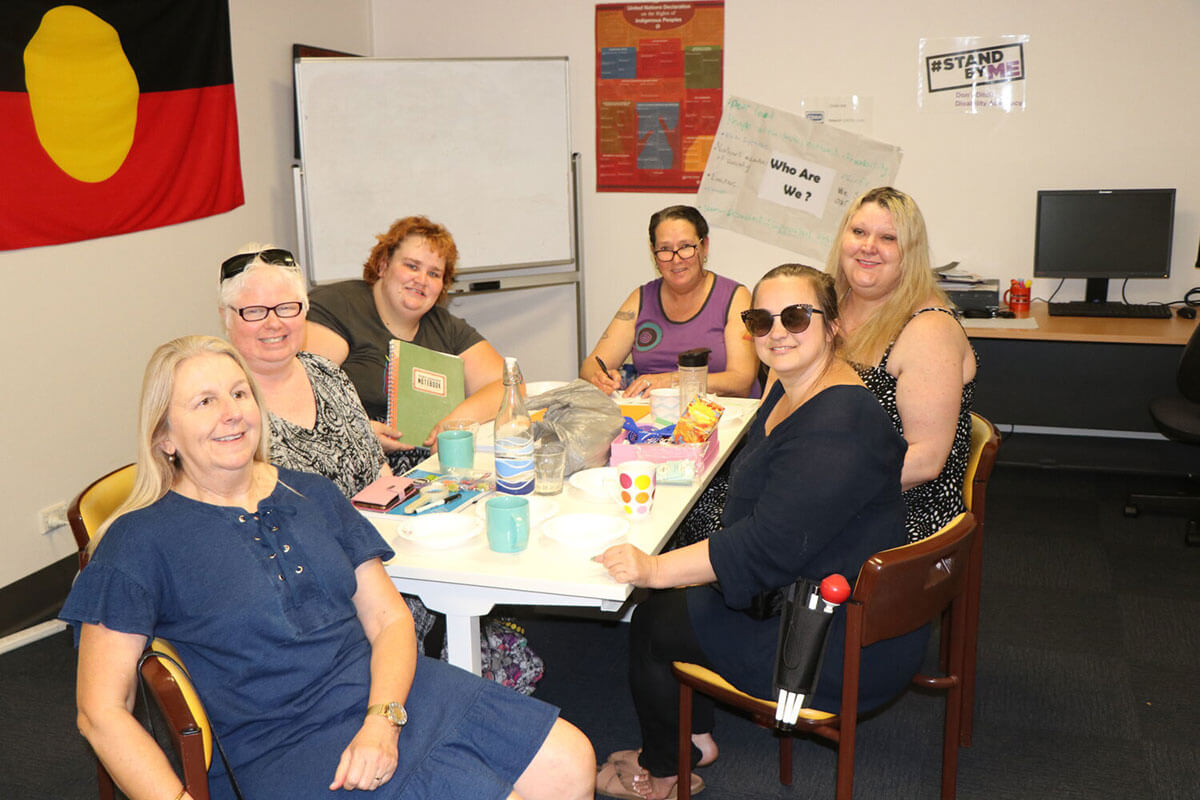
<point x="603" y="367"/>
<point x="475" y="499"/>
<point x="441" y="501"/>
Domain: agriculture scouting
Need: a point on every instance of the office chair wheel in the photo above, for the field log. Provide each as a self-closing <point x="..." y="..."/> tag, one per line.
<point x="1131" y="510"/>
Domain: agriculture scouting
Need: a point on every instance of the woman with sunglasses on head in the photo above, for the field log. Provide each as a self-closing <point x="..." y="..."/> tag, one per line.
<point x="814" y="491"/>
<point x="402" y="295"/>
<point x="904" y="338"/>
<point x="684" y="308"/>
<point x="316" y="417"/>
<point x="317" y="422"/>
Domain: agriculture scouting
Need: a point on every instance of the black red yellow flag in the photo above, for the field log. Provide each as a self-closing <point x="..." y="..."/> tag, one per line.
<point x="115" y="116"/>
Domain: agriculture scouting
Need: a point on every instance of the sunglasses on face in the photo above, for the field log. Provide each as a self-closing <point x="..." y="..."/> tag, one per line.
<point x="236" y="265"/>
<point x="795" y="318"/>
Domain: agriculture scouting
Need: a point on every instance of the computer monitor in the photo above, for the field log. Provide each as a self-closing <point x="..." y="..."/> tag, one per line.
<point x="1099" y="234"/>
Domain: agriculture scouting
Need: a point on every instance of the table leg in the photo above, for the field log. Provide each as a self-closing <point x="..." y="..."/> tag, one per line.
<point x="462" y="642"/>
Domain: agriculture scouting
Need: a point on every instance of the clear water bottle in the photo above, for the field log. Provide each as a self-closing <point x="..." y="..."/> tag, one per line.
<point x="514" y="435"/>
<point x="693" y="375"/>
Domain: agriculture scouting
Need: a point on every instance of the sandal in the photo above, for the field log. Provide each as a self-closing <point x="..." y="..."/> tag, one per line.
<point x="612" y="783"/>
<point x="627" y="760"/>
<point x="624" y="759"/>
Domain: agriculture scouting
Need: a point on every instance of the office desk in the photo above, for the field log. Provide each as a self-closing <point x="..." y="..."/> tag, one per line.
<point x="466" y="582"/>
<point x="1090" y="373"/>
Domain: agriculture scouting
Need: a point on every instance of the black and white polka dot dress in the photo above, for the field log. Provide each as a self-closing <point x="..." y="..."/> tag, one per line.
<point x="934" y="503"/>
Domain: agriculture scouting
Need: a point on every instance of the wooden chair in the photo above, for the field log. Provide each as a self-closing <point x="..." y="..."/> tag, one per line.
<point x="985" y="442"/>
<point x="188" y="726"/>
<point x="897" y="591"/>
<point x="96" y="503"/>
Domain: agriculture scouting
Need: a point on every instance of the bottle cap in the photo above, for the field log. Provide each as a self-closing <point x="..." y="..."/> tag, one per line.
<point x="694" y="358"/>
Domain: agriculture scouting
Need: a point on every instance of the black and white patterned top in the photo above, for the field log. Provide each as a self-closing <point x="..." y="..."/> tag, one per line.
<point x="340" y="445"/>
<point x="934" y="503"/>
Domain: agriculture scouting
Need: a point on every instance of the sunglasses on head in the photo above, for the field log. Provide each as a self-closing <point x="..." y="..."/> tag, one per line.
<point x="236" y="265"/>
<point x="795" y="318"/>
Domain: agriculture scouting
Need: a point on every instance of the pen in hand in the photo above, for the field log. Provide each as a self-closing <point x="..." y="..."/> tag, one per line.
<point x="603" y="367"/>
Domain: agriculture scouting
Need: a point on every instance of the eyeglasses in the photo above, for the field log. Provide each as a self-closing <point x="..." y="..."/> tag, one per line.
<point x="684" y="253"/>
<point x="286" y="310"/>
<point x="795" y="318"/>
<point x="236" y="265"/>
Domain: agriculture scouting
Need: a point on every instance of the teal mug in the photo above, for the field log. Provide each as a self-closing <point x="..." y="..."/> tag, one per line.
<point x="507" y="523"/>
<point x="456" y="449"/>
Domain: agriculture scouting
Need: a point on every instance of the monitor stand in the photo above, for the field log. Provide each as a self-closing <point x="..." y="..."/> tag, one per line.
<point x="1096" y="291"/>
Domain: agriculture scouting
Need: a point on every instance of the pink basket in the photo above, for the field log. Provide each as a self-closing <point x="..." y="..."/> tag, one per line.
<point x="702" y="454"/>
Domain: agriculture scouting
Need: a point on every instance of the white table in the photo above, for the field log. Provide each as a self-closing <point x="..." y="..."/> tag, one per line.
<point x="466" y="582"/>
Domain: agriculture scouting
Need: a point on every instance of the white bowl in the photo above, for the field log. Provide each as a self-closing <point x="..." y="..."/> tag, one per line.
<point x="588" y="531"/>
<point x="598" y="484"/>
<point x="439" y="531"/>
<point x="538" y="387"/>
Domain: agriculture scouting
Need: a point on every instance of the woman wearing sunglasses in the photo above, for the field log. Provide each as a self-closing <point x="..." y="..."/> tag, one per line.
<point x="906" y="342"/>
<point x="685" y="307"/>
<point x="814" y="491"/>
<point x="317" y="422"/>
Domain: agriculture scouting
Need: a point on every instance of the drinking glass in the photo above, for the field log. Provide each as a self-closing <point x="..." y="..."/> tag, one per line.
<point x="549" y="463"/>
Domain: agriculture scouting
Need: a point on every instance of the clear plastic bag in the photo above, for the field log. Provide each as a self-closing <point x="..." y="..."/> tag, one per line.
<point x="580" y="416"/>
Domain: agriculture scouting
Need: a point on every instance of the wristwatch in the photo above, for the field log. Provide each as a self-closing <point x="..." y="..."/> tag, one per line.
<point x="393" y="711"/>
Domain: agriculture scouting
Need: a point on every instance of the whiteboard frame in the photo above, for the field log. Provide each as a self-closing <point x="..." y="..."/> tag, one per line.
<point x="470" y="281"/>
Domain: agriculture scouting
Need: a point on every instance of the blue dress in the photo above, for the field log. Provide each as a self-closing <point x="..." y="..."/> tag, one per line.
<point x="260" y="607"/>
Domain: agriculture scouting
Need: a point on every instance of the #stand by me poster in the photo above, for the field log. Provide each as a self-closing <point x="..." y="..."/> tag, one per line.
<point x="117" y="116"/>
<point x="658" y="93"/>
<point x="973" y="74"/>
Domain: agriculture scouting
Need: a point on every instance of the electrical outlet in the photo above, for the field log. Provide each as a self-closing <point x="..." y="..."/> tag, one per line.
<point x="52" y="517"/>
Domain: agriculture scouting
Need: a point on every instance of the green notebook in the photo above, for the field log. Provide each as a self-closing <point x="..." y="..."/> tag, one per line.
<point x="423" y="386"/>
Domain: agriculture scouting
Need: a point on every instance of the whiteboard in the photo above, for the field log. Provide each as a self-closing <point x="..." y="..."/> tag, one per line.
<point x="537" y="325"/>
<point x="481" y="145"/>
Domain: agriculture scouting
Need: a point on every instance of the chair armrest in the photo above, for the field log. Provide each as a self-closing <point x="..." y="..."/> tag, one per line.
<point x="185" y="734"/>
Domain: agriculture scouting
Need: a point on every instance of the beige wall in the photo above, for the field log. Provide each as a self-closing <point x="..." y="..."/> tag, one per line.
<point x="1111" y="94"/>
<point x="1111" y="104"/>
<point x="81" y="319"/>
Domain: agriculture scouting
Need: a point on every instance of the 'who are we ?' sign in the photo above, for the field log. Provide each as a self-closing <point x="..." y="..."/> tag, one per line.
<point x="794" y="182"/>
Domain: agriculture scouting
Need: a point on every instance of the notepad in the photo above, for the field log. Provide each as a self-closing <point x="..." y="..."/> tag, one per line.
<point x="423" y="386"/>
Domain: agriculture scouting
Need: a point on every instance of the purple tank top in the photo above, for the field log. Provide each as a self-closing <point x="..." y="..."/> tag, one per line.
<point x="658" y="341"/>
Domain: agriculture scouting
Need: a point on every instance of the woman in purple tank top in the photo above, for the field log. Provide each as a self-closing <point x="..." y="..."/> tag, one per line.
<point x="686" y="307"/>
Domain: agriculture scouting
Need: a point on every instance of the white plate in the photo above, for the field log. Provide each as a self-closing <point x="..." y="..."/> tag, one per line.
<point x="590" y="531"/>
<point x="538" y="387"/>
<point x="439" y="531"/>
<point x="732" y="416"/>
<point x="598" y="484"/>
<point x="540" y="508"/>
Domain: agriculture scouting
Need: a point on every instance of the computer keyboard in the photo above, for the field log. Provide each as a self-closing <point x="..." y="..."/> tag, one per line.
<point x="1080" y="308"/>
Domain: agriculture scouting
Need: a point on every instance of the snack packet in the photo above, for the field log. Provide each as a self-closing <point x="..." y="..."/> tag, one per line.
<point x="676" y="473"/>
<point x="699" y="420"/>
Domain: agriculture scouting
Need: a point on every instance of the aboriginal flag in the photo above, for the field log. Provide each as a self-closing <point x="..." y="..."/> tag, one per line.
<point x="115" y="116"/>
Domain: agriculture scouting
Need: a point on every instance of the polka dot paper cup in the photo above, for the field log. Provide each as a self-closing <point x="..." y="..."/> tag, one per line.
<point x="635" y="488"/>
